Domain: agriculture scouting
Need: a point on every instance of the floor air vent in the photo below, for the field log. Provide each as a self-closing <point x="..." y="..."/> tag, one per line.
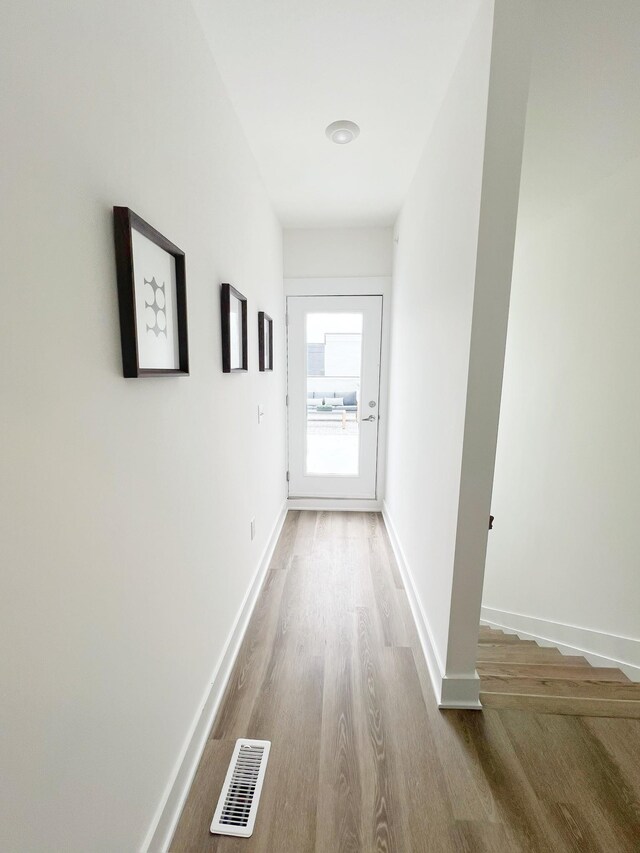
<point x="236" y="810"/>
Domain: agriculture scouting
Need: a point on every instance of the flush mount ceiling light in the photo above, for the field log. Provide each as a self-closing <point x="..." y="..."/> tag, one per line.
<point x="342" y="131"/>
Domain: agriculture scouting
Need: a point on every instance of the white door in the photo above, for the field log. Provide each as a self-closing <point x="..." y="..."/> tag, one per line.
<point x="333" y="392"/>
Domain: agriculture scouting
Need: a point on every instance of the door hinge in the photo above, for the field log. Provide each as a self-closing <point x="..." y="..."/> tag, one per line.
<point x="287" y="476"/>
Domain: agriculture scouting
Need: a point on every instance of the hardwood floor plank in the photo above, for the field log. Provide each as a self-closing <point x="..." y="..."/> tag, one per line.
<point x="283" y="552"/>
<point x="385" y="595"/>
<point x="620" y="739"/>
<point x="467" y="836"/>
<point x="413" y="756"/>
<point x="382" y="826"/>
<point x="573" y="826"/>
<point x="574" y="767"/>
<point x="304" y="541"/>
<point x="292" y="721"/>
<point x="339" y="811"/>
<point x="248" y="672"/>
<point x="517" y="805"/>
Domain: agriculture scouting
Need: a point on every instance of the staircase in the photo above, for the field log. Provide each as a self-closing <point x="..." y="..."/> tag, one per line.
<point x="521" y="675"/>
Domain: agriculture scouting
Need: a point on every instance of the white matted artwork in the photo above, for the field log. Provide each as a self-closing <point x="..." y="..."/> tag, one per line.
<point x="151" y="297"/>
<point x="156" y="307"/>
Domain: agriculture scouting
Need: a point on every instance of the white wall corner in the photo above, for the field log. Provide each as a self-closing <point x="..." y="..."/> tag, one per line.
<point x="451" y="691"/>
<point x="168" y="812"/>
<point x="599" y="648"/>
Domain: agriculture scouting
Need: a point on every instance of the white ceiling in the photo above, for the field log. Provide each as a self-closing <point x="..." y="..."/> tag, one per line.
<point x="293" y="66"/>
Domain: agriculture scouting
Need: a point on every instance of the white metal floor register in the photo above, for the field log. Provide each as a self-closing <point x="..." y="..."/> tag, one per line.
<point x="238" y="803"/>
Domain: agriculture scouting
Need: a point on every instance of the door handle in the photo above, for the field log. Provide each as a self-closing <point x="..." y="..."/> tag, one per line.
<point x="370" y="418"/>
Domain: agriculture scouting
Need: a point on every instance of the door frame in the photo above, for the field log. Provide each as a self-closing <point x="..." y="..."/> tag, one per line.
<point x="352" y="286"/>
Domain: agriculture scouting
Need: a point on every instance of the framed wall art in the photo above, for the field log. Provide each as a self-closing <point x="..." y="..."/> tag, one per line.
<point x="152" y="299"/>
<point x="265" y="341"/>
<point x="233" y="307"/>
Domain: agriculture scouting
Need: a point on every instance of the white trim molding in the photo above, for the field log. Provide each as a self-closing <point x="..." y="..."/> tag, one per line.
<point x="460" y="690"/>
<point x="168" y="812"/>
<point x="599" y="648"/>
<point x="338" y="286"/>
<point x="335" y="504"/>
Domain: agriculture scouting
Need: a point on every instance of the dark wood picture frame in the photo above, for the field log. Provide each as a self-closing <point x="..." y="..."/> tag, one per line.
<point x="226" y="292"/>
<point x="125" y="221"/>
<point x="265" y="354"/>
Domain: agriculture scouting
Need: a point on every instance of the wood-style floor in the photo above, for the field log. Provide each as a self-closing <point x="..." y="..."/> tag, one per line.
<point x="362" y="759"/>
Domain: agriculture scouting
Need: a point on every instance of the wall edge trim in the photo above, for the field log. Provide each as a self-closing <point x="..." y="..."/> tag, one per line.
<point x="599" y="648"/>
<point x="459" y="691"/>
<point x="167" y="814"/>
<point x="335" y="504"/>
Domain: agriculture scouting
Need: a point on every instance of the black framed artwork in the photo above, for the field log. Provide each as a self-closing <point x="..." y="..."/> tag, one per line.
<point x="233" y="309"/>
<point x="265" y="341"/>
<point x="152" y="299"/>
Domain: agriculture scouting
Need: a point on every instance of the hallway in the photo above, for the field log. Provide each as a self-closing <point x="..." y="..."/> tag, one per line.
<point x="332" y="673"/>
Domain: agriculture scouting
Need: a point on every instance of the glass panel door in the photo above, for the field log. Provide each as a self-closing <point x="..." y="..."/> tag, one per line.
<point x="334" y="364"/>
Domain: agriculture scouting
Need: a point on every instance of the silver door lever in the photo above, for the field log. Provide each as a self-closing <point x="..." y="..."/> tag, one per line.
<point x="370" y="418"/>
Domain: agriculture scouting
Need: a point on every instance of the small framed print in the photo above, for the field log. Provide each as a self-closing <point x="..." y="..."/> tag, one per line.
<point x="265" y="341"/>
<point x="152" y="299"/>
<point x="233" y="307"/>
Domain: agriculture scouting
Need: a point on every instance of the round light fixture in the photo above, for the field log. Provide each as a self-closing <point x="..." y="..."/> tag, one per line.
<point x="342" y="131"/>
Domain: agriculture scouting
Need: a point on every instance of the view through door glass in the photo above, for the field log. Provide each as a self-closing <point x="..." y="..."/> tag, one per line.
<point x="334" y="358"/>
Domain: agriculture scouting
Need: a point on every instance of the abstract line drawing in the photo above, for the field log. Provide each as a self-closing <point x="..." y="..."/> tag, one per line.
<point x="157" y="306"/>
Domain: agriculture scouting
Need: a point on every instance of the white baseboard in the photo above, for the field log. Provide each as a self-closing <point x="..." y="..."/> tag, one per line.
<point x="335" y="504"/>
<point x="600" y="649"/>
<point x="166" y="818"/>
<point x="450" y="691"/>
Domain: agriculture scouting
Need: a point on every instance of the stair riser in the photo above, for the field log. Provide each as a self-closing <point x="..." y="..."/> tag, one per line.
<point x="551" y="671"/>
<point x="588" y="688"/>
<point x="562" y="705"/>
<point x="534" y="655"/>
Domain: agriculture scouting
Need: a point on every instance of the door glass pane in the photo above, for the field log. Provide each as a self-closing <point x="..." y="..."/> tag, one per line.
<point x="334" y="355"/>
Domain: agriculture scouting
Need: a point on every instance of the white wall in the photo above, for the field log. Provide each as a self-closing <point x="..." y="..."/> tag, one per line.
<point x="125" y="503"/>
<point x="450" y="296"/>
<point x="564" y="551"/>
<point x="337" y="252"/>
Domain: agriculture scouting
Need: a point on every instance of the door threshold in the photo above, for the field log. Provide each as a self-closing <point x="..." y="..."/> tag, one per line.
<point x="336" y="504"/>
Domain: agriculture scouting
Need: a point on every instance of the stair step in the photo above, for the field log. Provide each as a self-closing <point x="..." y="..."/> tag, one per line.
<point x="489" y="669"/>
<point x="576" y="706"/>
<point x="485" y="631"/>
<point x="526" y="654"/>
<point x="505" y="640"/>
<point x="588" y="688"/>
